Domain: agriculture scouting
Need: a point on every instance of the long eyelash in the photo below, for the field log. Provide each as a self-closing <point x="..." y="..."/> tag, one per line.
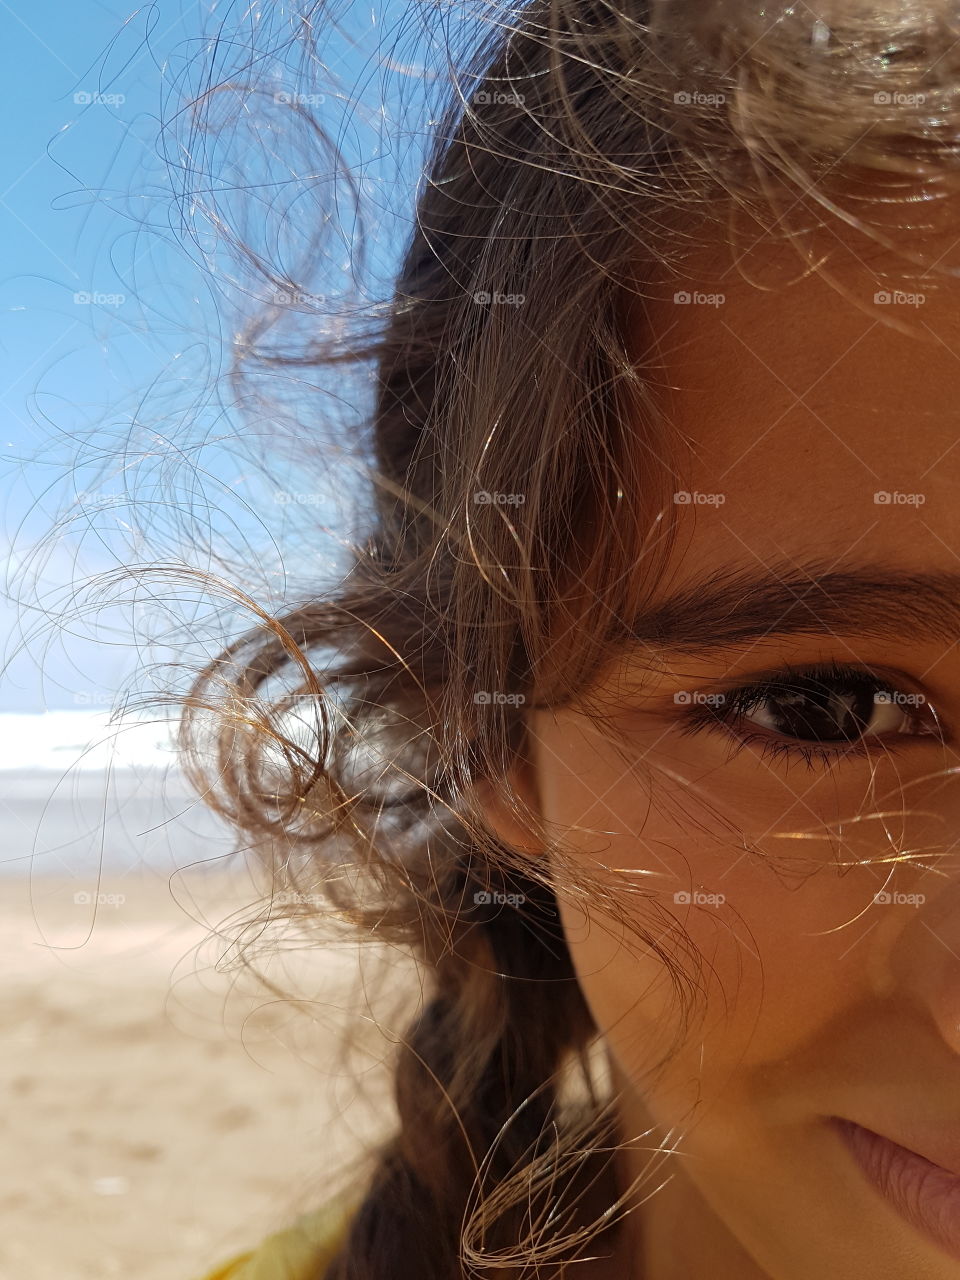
<point x="742" y="698"/>
<point x="813" y="756"/>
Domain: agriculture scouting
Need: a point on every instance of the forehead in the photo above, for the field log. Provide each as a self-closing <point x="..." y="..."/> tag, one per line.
<point x="815" y="416"/>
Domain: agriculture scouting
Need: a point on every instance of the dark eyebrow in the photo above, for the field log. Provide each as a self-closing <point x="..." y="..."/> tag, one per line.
<point x="733" y="605"/>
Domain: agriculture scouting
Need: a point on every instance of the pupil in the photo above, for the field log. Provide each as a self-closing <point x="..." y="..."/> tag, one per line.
<point x="808" y="709"/>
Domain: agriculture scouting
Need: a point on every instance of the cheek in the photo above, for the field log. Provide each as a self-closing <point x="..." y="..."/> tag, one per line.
<point x="765" y="973"/>
<point x="768" y="961"/>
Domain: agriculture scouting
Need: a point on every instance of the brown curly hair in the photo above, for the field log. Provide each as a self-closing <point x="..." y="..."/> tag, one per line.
<point x="520" y="515"/>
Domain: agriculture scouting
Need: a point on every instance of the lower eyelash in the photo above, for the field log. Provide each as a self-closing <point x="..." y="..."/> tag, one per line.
<point x="812" y="755"/>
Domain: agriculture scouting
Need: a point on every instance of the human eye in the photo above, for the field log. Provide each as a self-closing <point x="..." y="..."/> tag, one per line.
<point x="817" y="714"/>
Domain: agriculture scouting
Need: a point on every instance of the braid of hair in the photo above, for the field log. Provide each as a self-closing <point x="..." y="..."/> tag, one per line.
<point x="476" y="1091"/>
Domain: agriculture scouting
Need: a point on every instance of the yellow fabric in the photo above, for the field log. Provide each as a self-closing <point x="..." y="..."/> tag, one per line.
<point x="294" y="1253"/>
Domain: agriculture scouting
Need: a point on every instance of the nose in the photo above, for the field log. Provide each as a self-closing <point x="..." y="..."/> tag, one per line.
<point x="923" y="952"/>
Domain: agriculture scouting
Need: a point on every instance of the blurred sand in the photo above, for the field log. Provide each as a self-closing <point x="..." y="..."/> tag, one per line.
<point x="162" y="1114"/>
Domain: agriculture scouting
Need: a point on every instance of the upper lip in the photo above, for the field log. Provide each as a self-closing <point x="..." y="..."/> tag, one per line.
<point x="936" y="1149"/>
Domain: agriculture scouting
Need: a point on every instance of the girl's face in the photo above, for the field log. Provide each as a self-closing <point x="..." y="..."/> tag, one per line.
<point x="800" y="824"/>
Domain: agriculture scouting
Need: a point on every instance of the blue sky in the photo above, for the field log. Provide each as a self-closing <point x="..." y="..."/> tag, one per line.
<point x="107" y="318"/>
<point x="58" y="371"/>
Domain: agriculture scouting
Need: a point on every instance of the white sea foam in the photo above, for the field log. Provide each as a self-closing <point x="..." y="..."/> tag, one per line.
<point x="88" y="739"/>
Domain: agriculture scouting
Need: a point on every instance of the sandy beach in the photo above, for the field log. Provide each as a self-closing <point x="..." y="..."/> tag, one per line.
<point x="163" y="1108"/>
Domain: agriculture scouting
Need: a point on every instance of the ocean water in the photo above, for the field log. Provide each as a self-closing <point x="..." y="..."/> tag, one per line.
<point x="80" y="794"/>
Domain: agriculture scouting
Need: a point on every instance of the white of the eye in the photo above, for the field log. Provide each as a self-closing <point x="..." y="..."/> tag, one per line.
<point x="888" y="716"/>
